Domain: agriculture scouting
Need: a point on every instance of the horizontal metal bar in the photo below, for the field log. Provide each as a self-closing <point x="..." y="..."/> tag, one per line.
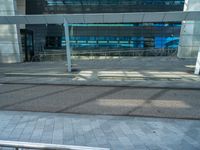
<point x="109" y="51"/>
<point x="136" y="17"/>
<point x="42" y="146"/>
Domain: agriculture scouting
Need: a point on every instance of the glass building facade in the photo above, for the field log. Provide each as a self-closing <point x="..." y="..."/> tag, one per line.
<point x="102" y="6"/>
<point x="130" y="36"/>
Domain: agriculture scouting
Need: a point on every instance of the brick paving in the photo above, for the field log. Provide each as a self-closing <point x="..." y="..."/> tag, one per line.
<point x="115" y="132"/>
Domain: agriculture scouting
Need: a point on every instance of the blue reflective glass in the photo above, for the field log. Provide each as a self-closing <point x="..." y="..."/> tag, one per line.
<point x="140" y="40"/>
<point x="166" y="42"/>
<point x="125" y="2"/>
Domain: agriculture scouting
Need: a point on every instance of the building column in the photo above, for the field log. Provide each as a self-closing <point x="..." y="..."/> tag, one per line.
<point x="10" y="46"/>
<point x="190" y="33"/>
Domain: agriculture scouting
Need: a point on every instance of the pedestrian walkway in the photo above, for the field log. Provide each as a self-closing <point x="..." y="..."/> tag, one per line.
<point x="101" y="100"/>
<point x="167" y="72"/>
<point x="115" y="132"/>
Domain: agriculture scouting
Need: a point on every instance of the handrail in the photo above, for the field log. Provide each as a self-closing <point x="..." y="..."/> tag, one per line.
<point x="41" y="146"/>
<point x="112" y="53"/>
<point x="103" y="52"/>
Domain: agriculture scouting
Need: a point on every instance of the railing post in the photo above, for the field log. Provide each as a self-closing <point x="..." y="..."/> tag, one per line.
<point x="68" y="51"/>
<point x="197" y="68"/>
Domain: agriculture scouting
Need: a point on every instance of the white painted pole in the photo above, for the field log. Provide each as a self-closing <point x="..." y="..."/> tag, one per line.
<point x="197" y="68"/>
<point x="68" y="51"/>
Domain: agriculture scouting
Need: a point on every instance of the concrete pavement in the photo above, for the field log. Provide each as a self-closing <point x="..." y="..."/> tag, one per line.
<point x="162" y="72"/>
<point x="126" y="101"/>
<point x="153" y="87"/>
<point x="117" y="133"/>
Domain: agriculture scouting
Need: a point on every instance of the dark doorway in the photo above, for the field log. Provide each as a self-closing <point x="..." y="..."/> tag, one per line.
<point x="27" y="44"/>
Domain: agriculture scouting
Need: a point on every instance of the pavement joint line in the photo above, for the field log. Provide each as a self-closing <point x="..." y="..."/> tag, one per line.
<point x="105" y="115"/>
<point x="103" y="85"/>
<point x="133" y="77"/>
<point x="38" y="74"/>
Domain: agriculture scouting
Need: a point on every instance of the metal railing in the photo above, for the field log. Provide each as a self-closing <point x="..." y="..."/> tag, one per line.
<point x="61" y="56"/>
<point x="41" y="146"/>
<point x="121" y="53"/>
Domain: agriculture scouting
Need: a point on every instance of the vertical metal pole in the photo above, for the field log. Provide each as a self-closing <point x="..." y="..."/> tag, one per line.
<point x="68" y="51"/>
<point x="197" y="68"/>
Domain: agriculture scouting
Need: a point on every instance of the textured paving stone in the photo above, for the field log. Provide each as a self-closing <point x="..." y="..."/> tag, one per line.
<point x="115" y="132"/>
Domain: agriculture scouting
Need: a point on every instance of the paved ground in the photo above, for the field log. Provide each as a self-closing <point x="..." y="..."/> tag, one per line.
<point x="124" y="63"/>
<point x="117" y="133"/>
<point x="173" y="103"/>
<point x="176" y="96"/>
<point x="137" y="72"/>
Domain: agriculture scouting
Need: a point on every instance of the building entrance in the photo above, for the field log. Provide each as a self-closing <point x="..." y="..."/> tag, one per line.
<point x="27" y="44"/>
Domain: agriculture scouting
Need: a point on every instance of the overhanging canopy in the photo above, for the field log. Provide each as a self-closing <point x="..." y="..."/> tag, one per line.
<point x="103" y="18"/>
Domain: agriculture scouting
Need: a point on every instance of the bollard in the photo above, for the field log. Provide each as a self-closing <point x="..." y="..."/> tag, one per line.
<point x="197" y="68"/>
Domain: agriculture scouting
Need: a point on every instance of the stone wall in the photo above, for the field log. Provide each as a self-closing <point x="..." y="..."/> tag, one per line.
<point x="10" y="43"/>
<point x="190" y="33"/>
